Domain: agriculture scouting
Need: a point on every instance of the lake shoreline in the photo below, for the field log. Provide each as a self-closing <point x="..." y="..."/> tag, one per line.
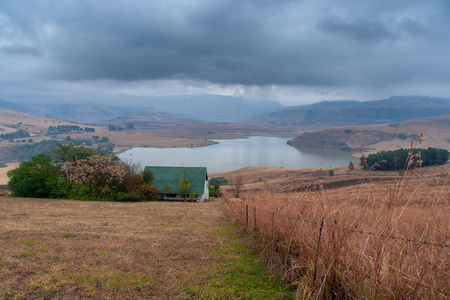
<point x="231" y="154"/>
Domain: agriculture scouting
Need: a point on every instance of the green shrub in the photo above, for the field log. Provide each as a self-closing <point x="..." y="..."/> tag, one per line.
<point x="148" y="192"/>
<point x="351" y="166"/>
<point x="214" y="190"/>
<point x="37" y="178"/>
<point x="330" y="172"/>
<point x="148" y="176"/>
<point x="192" y="196"/>
<point x="128" y="198"/>
<point x="219" y="181"/>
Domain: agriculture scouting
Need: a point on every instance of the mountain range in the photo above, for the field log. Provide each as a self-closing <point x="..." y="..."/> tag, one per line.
<point x="156" y="111"/>
<point x="354" y="113"/>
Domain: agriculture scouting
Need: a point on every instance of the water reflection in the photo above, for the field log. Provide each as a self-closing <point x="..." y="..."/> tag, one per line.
<point x="230" y="155"/>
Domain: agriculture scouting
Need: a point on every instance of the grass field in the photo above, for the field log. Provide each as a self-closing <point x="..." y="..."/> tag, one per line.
<point x="153" y="250"/>
<point x="378" y="240"/>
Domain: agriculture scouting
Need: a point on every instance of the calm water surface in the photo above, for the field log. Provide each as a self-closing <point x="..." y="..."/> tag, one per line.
<point x="234" y="154"/>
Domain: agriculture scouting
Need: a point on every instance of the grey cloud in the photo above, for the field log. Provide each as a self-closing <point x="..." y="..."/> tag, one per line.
<point x="19" y="49"/>
<point x="360" y="30"/>
<point x="299" y="43"/>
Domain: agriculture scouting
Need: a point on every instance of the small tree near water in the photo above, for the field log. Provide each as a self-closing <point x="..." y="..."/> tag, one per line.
<point x="351" y="167"/>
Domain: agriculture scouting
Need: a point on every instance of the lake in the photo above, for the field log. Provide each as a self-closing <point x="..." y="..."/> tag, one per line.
<point x="233" y="154"/>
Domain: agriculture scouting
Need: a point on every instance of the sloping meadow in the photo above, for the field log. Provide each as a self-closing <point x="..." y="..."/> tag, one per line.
<point x="367" y="241"/>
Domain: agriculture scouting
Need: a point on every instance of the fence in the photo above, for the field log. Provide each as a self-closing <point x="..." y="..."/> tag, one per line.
<point x="320" y="249"/>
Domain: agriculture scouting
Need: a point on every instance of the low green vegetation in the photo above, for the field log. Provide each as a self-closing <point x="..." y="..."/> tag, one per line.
<point x="218" y="180"/>
<point x="66" y="129"/>
<point x="351" y="166"/>
<point x="399" y="159"/>
<point x="14" y="135"/>
<point x="76" y="172"/>
<point x="214" y="190"/>
<point x="240" y="276"/>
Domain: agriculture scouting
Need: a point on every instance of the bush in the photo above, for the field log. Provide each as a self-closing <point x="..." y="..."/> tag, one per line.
<point x="192" y="196"/>
<point x="128" y="198"/>
<point x="37" y="178"/>
<point x="330" y="172"/>
<point x="219" y="181"/>
<point x="148" y="176"/>
<point x="148" y="192"/>
<point x="351" y="166"/>
<point x="214" y="190"/>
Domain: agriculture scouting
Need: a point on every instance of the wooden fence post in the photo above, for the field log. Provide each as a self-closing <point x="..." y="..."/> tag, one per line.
<point x="318" y="250"/>
<point x="273" y="232"/>
<point x="254" y="223"/>
<point x="246" y="214"/>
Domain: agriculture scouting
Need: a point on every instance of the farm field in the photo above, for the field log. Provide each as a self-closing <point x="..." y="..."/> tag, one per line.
<point x="152" y="250"/>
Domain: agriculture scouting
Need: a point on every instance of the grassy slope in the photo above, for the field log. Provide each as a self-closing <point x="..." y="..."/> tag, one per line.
<point x="366" y="250"/>
<point x="75" y="249"/>
<point x="375" y="138"/>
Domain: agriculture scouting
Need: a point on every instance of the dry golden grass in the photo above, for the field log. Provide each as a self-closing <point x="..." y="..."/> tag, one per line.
<point x="375" y="138"/>
<point x="3" y="171"/>
<point x="76" y="249"/>
<point x="173" y="135"/>
<point x="364" y="249"/>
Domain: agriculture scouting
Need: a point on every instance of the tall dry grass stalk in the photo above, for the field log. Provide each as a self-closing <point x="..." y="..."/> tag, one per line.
<point x="378" y="240"/>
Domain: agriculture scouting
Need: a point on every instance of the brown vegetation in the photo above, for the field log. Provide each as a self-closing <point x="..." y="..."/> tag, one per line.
<point x="82" y="249"/>
<point x="376" y="138"/>
<point x="377" y="239"/>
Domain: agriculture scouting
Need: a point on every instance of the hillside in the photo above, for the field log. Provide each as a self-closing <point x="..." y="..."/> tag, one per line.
<point x="373" y="138"/>
<point x="151" y="119"/>
<point x="11" y="120"/>
<point x="352" y="113"/>
<point x="199" y="107"/>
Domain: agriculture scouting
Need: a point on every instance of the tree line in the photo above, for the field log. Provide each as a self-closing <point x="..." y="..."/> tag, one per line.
<point x="397" y="159"/>
<point x="15" y="135"/>
<point x="67" y="128"/>
<point x="76" y="172"/>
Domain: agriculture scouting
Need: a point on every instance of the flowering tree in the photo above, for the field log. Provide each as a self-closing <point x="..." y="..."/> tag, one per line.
<point x="97" y="176"/>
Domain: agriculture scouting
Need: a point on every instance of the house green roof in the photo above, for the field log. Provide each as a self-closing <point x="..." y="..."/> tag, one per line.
<point x="172" y="175"/>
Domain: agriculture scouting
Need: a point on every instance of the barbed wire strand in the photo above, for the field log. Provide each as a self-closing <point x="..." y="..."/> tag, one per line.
<point x="359" y="231"/>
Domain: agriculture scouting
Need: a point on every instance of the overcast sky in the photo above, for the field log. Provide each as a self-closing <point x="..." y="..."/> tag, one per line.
<point x="295" y="52"/>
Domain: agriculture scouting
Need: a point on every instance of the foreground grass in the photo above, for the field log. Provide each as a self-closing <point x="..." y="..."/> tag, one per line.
<point x="376" y="240"/>
<point x="241" y="275"/>
<point x="79" y="249"/>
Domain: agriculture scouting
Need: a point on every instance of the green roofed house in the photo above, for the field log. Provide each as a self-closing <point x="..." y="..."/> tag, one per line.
<point x="167" y="180"/>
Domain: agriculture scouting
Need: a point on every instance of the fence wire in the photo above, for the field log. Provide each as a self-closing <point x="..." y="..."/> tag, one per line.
<point x="245" y="216"/>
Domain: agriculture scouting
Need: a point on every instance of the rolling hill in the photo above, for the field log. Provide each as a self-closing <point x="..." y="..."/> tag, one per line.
<point x="152" y="119"/>
<point x="373" y="138"/>
<point x="200" y="107"/>
<point x="351" y="113"/>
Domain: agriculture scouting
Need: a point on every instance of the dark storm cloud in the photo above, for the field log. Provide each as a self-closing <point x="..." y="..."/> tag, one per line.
<point x="302" y="43"/>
